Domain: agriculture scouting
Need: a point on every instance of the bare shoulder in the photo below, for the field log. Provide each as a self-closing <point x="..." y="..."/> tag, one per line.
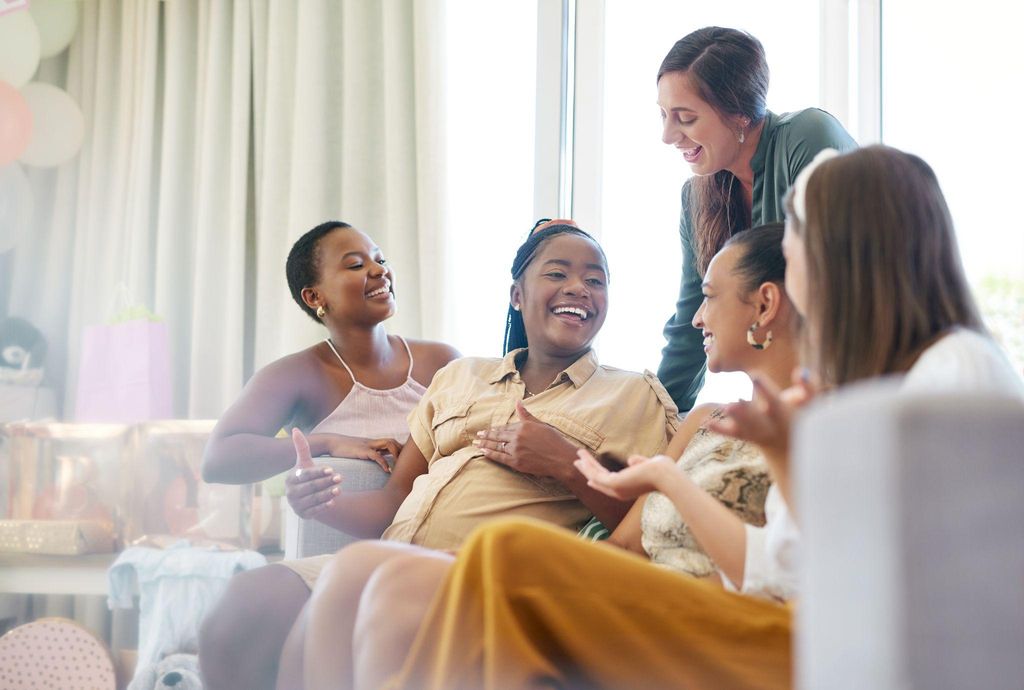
<point x="301" y="364"/>
<point x="688" y="429"/>
<point x="699" y="415"/>
<point x="289" y="390"/>
<point x="301" y="374"/>
<point x="432" y="355"/>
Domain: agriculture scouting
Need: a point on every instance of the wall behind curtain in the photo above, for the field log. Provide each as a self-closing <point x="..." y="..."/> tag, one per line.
<point x="217" y="132"/>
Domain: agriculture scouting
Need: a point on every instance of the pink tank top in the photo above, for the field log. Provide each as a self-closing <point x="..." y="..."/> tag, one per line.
<point x="374" y="413"/>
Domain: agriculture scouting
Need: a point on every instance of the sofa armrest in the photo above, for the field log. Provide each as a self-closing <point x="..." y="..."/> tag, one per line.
<point x="310" y="537"/>
<point x="912" y="524"/>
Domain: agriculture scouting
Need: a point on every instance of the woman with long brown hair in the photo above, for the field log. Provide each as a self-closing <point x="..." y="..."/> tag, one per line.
<point x="712" y="87"/>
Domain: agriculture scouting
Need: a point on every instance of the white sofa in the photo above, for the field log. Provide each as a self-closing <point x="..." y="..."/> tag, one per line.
<point x="912" y="517"/>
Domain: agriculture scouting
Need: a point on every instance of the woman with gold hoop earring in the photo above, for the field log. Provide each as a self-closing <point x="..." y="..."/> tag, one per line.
<point x="712" y="89"/>
<point x="351" y="393"/>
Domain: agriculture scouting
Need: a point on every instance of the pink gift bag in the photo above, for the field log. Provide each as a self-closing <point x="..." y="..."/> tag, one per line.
<point x="125" y="373"/>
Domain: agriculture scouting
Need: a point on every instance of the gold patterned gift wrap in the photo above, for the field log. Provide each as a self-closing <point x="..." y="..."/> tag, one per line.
<point x="56" y="537"/>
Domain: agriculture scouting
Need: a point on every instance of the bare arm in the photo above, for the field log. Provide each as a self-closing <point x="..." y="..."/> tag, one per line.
<point x="313" y="493"/>
<point x="609" y="510"/>
<point x="688" y="429"/>
<point x="243" y="446"/>
<point x="718" y="530"/>
<point x="720" y="533"/>
<point x="628" y="535"/>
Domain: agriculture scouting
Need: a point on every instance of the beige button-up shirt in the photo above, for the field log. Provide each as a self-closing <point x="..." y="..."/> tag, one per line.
<point x="593" y="406"/>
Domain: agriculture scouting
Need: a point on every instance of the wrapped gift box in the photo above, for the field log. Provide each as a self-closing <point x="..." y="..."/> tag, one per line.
<point x="140" y="479"/>
<point x="60" y="471"/>
<point x="171" y="498"/>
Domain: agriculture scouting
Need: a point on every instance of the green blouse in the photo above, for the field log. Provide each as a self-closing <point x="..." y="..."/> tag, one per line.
<point x="788" y="143"/>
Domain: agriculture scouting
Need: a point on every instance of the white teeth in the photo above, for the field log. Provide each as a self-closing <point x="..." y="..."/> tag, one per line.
<point x="380" y="290"/>
<point x="582" y="313"/>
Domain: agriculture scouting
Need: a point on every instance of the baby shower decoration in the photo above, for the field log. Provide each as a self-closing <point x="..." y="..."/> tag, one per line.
<point x="40" y="124"/>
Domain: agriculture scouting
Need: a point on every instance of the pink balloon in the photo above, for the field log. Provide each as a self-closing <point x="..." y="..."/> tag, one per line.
<point x="15" y="124"/>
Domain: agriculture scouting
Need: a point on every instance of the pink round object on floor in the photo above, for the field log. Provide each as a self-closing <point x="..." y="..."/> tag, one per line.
<point x="54" y="653"/>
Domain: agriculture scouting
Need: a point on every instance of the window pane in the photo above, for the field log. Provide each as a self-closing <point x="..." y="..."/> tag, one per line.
<point x="952" y="95"/>
<point x="489" y="102"/>
<point x="642" y="177"/>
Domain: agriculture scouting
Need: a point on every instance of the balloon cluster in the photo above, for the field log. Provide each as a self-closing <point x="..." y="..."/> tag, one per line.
<point x="40" y="124"/>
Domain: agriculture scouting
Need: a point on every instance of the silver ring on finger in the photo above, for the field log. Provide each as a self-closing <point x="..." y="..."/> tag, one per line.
<point x="503" y="444"/>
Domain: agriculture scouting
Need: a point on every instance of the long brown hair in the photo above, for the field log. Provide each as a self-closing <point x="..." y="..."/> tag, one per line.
<point x="884" y="277"/>
<point x="729" y="70"/>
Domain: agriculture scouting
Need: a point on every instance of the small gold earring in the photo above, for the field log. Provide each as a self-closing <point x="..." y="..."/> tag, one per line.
<point x="321" y="312"/>
<point x="753" y="343"/>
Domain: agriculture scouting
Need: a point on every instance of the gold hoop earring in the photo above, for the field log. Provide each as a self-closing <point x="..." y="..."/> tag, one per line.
<point x="753" y="343"/>
<point x="321" y="312"/>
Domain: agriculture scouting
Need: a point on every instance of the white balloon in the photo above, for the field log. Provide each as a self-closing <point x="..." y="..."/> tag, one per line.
<point x="19" y="48"/>
<point x="57" y="126"/>
<point x="15" y="205"/>
<point x="57" y="21"/>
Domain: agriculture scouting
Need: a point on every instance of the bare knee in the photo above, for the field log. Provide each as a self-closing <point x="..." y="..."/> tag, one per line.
<point x="394" y="603"/>
<point x="407" y="578"/>
<point x="397" y="597"/>
<point x="344" y="576"/>
<point x="240" y="640"/>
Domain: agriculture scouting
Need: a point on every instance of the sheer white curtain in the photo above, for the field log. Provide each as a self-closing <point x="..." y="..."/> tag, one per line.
<point x="218" y="132"/>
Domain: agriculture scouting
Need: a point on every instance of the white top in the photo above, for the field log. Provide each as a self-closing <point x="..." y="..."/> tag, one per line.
<point x="963" y="361"/>
<point x="770" y="568"/>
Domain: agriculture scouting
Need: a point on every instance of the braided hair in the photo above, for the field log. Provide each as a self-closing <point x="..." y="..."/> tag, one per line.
<point x="544" y="230"/>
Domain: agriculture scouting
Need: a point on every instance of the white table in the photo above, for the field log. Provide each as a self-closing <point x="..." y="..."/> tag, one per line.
<point x="26" y="573"/>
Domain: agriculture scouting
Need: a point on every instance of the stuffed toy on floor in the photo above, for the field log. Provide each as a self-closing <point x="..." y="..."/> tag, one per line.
<point x="178" y="671"/>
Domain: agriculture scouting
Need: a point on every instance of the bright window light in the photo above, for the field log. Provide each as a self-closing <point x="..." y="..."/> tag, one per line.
<point x="952" y="95"/>
<point x="490" y="102"/>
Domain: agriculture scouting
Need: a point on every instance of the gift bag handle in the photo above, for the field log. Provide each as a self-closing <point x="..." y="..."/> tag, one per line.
<point x="126" y="309"/>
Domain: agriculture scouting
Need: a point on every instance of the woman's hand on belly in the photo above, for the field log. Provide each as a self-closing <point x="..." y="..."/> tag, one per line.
<point x="529" y="446"/>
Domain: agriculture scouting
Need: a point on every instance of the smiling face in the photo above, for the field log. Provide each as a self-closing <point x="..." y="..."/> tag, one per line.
<point x="563" y="295"/>
<point x="356" y="284"/>
<point x="725" y="315"/>
<point x="708" y="142"/>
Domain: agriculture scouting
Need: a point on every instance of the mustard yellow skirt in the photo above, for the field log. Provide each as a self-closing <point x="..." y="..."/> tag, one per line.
<point x="528" y="605"/>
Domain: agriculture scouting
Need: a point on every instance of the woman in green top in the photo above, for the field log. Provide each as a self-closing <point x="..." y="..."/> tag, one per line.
<point x="711" y="91"/>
